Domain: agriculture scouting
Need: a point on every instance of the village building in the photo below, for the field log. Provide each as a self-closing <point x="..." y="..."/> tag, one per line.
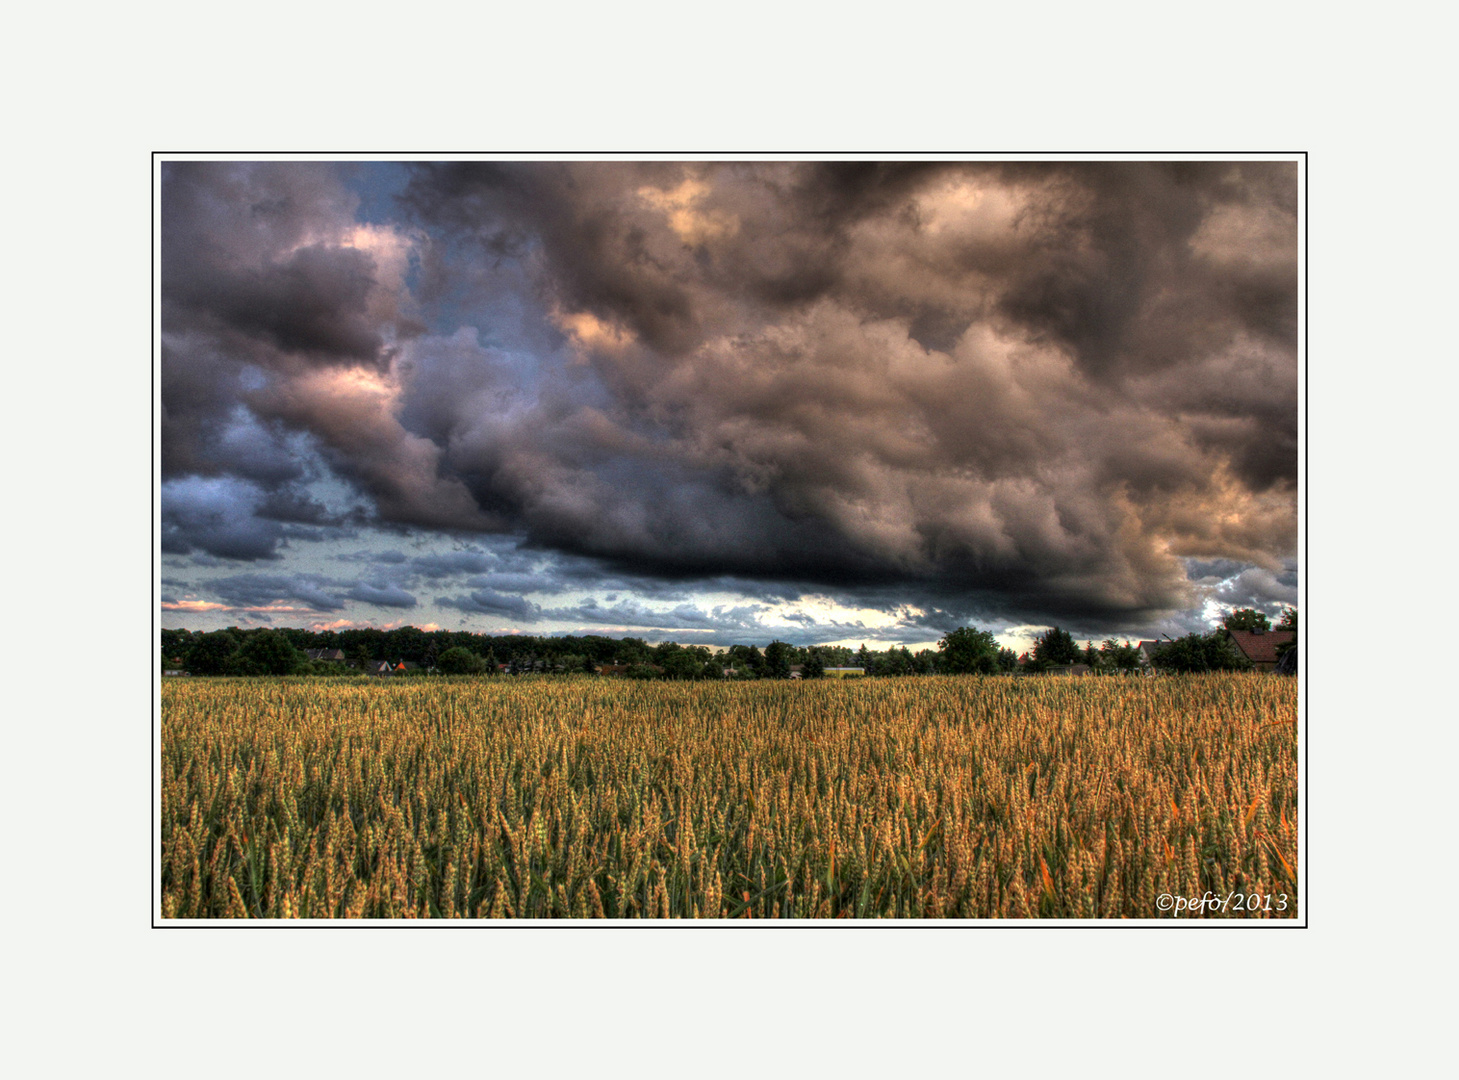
<point x="1260" y="646"/>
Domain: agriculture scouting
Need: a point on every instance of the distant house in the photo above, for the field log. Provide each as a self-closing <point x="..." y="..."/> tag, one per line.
<point x="843" y="672"/>
<point x="392" y="667"/>
<point x="1260" y="646"/>
<point x="173" y="673"/>
<point x="1146" y="650"/>
<point x="614" y="669"/>
<point x="333" y="656"/>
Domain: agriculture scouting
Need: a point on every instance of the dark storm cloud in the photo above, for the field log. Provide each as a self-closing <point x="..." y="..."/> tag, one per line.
<point x="262" y="590"/>
<point x="237" y="519"/>
<point x="240" y="258"/>
<point x="1030" y="389"/>
<point x="381" y="595"/>
<point x="281" y="318"/>
<point x="218" y="517"/>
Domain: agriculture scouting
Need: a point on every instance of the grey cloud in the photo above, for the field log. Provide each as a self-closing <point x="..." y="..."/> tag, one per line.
<point x="205" y="560"/>
<point x="1259" y="588"/>
<point x="545" y="582"/>
<point x="218" y="517"/>
<point x="379" y="558"/>
<point x="491" y="602"/>
<point x="381" y="595"/>
<point x="257" y="590"/>
<point x="451" y="564"/>
<point x="682" y="617"/>
<point x="1212" y="569"/>
<point x="236" y="519"/>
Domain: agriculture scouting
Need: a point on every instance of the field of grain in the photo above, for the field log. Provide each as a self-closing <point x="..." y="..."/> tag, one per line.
<point x="926" y="798"/>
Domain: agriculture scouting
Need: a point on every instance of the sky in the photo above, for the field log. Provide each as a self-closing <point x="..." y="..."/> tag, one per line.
<point x="717" y="402"/>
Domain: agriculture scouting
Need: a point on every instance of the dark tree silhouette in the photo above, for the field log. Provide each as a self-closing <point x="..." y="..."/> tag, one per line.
<point x="1056" y="646"/>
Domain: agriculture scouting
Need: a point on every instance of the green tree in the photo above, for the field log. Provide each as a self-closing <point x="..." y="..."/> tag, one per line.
<point x="1200" y="652"/>
<point x="406" y="643"/>
<point x="459" y="661"/>
<point x="1118" y="657"/>
<point x="210" y="653"/>
<point x="176" y="644"/>
<point x="267" y="652"/>
<point x="777" y="660"/>
<point x="747" y="660"/>
<point x="1246" y="619"/>
<point x="1055" y="646"/>
<point x="676" y="661"/>
<point x="814" y="666"/>
<point x="1289" y="622"/>
<point x="968" y="650"/>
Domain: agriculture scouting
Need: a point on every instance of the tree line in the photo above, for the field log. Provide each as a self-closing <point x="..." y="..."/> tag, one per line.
<point x="966" y="650"/>
<point x="283" y="651"/>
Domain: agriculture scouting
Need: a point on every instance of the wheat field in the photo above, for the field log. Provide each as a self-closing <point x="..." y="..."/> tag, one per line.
<point x="922" y="798"/>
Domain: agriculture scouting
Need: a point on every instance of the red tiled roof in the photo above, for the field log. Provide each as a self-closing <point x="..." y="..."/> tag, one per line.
<point x="1260" y="648"/>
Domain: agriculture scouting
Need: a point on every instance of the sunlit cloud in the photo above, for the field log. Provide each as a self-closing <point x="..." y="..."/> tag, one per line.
<point x="883" y="399"/>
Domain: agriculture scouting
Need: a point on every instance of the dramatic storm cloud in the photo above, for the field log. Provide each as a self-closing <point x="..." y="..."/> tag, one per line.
<point x="1017" y="393"/>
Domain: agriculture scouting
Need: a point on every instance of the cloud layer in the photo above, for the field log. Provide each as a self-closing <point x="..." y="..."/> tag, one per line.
<point x="1039" y="390"/>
